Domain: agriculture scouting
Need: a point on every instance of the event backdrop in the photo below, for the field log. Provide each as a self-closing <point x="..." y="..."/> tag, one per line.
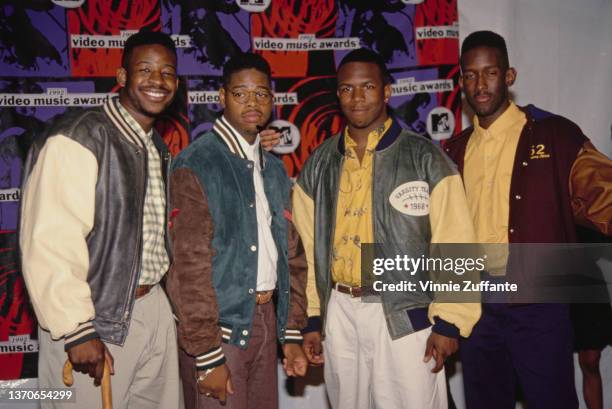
<point x="59" y="55"/>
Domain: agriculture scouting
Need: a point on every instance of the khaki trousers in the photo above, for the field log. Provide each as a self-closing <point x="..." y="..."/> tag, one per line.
<point x="146" y="366"/>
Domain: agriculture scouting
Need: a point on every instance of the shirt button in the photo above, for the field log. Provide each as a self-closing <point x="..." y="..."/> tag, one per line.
<point x="251" y="291"/>
<point x="245" y="332"/>
<point x="511" y="231"/>
<point x="253" y="248"/>
<point x="525" y="163"/>
<point x="251" y="204"/>
<point x="242" y="342"/>
<point x="517" y="197"/>
<point x="250" y="166"/>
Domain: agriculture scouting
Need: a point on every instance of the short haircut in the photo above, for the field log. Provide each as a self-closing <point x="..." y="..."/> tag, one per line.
<point x="368" y="56"/>
<point x="146" y="37"/>
<point x="245" y="61"/>
<point x="486" y="39"/>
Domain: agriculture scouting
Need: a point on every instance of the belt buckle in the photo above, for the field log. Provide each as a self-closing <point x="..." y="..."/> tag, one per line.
<point x="351" y="291"/>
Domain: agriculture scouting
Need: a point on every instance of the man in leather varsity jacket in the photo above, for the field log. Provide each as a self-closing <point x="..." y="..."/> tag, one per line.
<point x="234" y="248"/>
<point x="529" y="177"/>
<point x="377" y="183"/>
<point x="92" y="239"/>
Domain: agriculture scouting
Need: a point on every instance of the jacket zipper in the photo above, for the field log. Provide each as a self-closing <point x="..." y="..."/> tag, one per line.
<point x="138" y="257"/>
<point x="168" y="159"/>
<point x="333" y="228"/>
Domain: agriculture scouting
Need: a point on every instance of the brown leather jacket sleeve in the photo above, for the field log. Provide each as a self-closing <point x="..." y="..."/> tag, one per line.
<point x="298" y="270"/>
<point x="591" y="189"/>
<point x="189" y="283"/>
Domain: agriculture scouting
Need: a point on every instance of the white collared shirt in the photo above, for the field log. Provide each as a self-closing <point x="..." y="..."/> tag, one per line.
<point x="267" y="255"/>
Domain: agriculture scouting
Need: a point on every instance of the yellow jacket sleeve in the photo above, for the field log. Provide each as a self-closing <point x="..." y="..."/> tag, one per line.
<point x="451" y="222"/>
<point x="303" y="219"/>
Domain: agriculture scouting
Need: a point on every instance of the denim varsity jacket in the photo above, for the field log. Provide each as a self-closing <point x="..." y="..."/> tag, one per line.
<point x="212" y="282"/>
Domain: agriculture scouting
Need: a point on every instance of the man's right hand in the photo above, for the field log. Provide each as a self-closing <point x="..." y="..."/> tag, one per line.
<point x="313" y="348"/>
<point x="89" y="357"/>
<point x="217" y="384"/>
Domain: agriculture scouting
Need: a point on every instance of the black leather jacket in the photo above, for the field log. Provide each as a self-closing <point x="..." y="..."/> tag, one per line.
<point x="115" y="242"/>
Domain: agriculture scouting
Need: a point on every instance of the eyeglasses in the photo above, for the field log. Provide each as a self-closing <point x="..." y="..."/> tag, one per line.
<point x="261" y="96"/>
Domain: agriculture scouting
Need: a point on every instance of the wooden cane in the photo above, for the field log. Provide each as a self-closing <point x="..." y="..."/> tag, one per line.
<point x="107" y="396"/>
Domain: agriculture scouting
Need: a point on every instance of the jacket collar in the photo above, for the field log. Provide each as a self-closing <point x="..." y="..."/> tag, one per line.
<point x="230" y="137"/>
<point x="388" y="138"/>
<point x="533" y="114"/>
<point x="112" y="110"/>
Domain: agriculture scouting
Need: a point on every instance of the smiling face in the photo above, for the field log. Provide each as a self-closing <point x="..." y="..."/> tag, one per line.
<point x="363" y="96"/>
<point x="247" y="101"/>
<point x="149" y="83"/>
<point x="485" y="80"/>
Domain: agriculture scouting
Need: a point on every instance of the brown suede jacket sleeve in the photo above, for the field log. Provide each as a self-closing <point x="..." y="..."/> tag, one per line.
<point x="189" y="282"/>
<point x="298" y="270"/>
<point x="591" y="189"/>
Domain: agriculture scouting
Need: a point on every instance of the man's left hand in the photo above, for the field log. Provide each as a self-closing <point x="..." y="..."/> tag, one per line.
<point x="439" y="347"/>
<point x="269" y="138"/>
<point x="295" y="362"/>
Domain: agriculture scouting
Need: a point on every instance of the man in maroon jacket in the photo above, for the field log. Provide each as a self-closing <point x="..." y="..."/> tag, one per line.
<point x="529" y="176"/>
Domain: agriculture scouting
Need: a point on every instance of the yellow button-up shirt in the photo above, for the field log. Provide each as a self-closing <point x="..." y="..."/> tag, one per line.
<point x="489" y="160"/>
<point x="487" y="173"/>
<point x="354" y="209"/>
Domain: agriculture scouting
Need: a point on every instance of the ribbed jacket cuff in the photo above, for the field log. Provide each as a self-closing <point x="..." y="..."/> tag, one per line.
<point x="210" y="359"/>
<point x="83" y="333"/>
<point x="314" y="324"/>
<point x="293" y="336"/>
<point x="445" y="328"/>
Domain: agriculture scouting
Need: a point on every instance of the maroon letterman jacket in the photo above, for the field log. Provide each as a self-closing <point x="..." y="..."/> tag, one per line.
<point x="540" y="198"/>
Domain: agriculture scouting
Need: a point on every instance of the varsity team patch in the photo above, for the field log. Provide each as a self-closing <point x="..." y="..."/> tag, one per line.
<point x="411" y="198"/>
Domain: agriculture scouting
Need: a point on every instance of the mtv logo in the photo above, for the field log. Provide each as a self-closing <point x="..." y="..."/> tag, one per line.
<point x="285" y="132"/>
<point x="439" y="122"/>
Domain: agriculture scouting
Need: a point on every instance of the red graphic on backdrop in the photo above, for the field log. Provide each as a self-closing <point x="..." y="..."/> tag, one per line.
<point x="437" y="50"/>
<point x="16" y="318"/>
<point x="317" y="117"/>
<point x="289" y="19"/>
<point x="107" y="17"/>
<point x="173" y="129"/>
<point x="452" y="100"/>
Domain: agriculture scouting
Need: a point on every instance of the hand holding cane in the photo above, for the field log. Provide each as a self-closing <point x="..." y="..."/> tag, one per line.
<point x="107" y="399"/>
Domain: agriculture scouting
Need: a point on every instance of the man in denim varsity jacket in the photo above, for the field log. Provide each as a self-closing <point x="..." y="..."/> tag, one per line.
<point x="233" y="248"/>
<point x="529" y="176"/>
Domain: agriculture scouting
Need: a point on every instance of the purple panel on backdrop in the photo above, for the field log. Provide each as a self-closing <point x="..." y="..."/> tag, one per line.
<point x="412" y="110"/>
<point x="217" y="32"/>
<point x="202" y="115"/>
<point x="383" y="25"/>
<point x="17" y="126"/>
<point x="33" y="42"/>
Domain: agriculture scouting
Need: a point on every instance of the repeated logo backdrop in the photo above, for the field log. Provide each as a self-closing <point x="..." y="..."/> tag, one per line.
<point x="59" y="55"/>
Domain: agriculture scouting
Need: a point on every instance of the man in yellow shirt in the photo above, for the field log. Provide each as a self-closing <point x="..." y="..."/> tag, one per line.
<point x="525" y="173"/>
<point x="377" y="183"/>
